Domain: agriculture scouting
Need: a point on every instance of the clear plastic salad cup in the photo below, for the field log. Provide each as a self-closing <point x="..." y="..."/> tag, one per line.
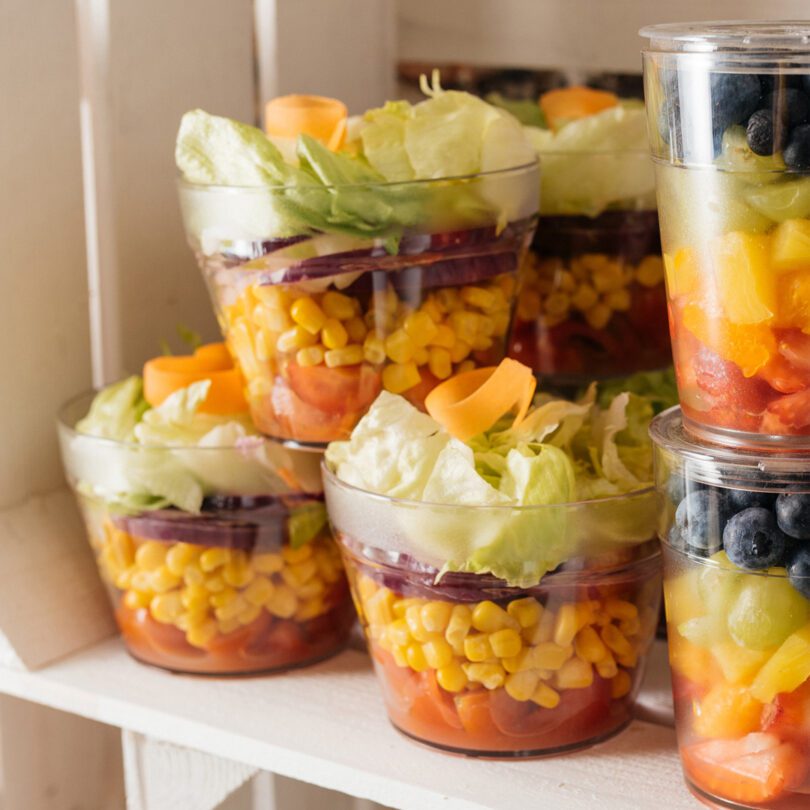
<point x="250" y="582"/>
<point x="321" y="322"/>
<point x="735" y="527"/>
<point x="471" y="665"/>
<point x="729" y="121"/>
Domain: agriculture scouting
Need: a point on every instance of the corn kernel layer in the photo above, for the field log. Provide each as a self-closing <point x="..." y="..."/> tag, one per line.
<point x="532" y="651"/>
<point x="206" y="591"/>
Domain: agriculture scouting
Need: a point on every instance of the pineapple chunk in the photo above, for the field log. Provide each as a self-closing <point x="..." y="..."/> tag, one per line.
<point x="682" y="598"/>
<point x="745" y="284"/>
<point x="787" y="669"/>
<point x="793" y="305"/>
<point x="739" y="664"/>
<point x="791" y="246"/>
<point x="682" y="273"/>
<point x="692" y="662"/>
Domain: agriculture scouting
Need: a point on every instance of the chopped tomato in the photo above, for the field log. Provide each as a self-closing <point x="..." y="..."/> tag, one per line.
<point x="476" y="717"/>
<point x="756" y="768"/>
<point x="345" y="389"/>
<point x="416" y="395"/>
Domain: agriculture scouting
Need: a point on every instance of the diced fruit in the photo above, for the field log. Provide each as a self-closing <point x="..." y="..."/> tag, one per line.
<point x="788" y="717"/>
<point x="739" y="664"/>
<point x="793" y="300"/>
<point x="705" y="631"/>
<point x="766" y="611"/>
<point x="744" y="161"/>
<point x="782" y="201"/>
<point x="692" y="662"/>
<point x="787" y="669"/>
<point x="757" y="768"/>
<point x="744" y="281"/>
<point x="787" y="415"/>
<point x="790" y="248"/>
<point x="569" y="103"/>
<point x="753" y="541"/>
<point x="719" y="585"/>
<point x="682" y="273"/>
<point x="727" y="711"/>
<point x="682" y="598"/>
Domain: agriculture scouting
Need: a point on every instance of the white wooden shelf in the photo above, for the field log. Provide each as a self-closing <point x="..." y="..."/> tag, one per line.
<point x="326" y="725"/>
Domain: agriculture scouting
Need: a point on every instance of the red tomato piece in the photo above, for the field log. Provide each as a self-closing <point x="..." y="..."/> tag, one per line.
<point x="345" y="389"/>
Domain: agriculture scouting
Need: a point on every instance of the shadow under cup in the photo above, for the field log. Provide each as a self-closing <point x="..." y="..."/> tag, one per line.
<point x="471" y="665"/>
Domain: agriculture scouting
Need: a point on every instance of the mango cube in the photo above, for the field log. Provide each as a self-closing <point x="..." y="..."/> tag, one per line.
<point x="744" y="280"/>
<point x="787" y="669"/>
<point x="791" y="246"/>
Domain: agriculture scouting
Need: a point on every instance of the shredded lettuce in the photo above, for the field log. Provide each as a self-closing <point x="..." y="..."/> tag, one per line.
<point x="656" y="387"/>
<point x="116" y="411"/>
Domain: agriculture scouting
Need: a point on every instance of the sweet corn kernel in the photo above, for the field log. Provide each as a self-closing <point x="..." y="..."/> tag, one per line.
<point x="267" y="563"/>
<point x="166" y="607"/>
<point x="526" y="612"/>
<point x="274" y="320"/>
<point x="249" y="614"/>
<point x="620" y="609"/>
<point x="574" y="674"/>
<point x="457" y="628"/>
<point x="651" y="271"/>
<point x="452" y="677"/>
<point x="460" y="351"/>
<point x="307" y="314"/>
<point x="399" y="377"/>
<point x="490" y="675"/>
<point x="546" y="655"/>
<point x="399" y="346"/>
<point x="545" y="697"/>
<point x="598" y="316"/>
<point x="400" y="606"/>
<point x="398" y="633"/>
<point x="226" y="626"/>
<point x="292" y="340"/>
<point x="349" y="355"/>
<point x="293" y="556"/>
<point x="444" y="338"/>
<point x="481" y="344"/>
<point x="607" y="277"/>
<point x="300" y="573"/>
<point x="478" y="297"/>
<point x="618" y="300"/>
<point x="621" y="684"/>
<point x="416" y="658"/>
<point x="400" y="657"/>
<point x="238" y="573"/>
<point x="584" y="297"/>
<point x="558" y="303"/>
<point x="607" y="667"/>
<point x="150" y="555"/>
<point x="135" y="600"/>
<point x="477" y="647"/>
<point x="420" y="327"/>
<point x="465" y="325"/>
<point x="179" y="556"/>
<point x="542" y="631"/>
<point x="565" y="627"/>
<point x="629" y="660"/>
<point x="448" y="299"/>
<point x="432" y="309"/>
<point x="438" y="653"/>
<point x="223" y="598"/>
<point x="521" y="685"/>
<point x="124" y="579"/>
<point x="334" y="334"/>
<point x="195" y="598"/>
<point x="164" y="580"/>
<point x="231" y="609"/>
<point x="356" y="329"/>
<point x="272" y="296"/>
<point x="421" y="356"/>
<point x="310" y="589"/>
<point x="505" y="643"/>
<point x="215" y="583"/>
<point x="588" y="646"/>
<point x="213" y="558"/>
<point x="311" y="356"/>
<point x="515" y="663"/>
<point x="385" y="300"/>
<point x="338" y="306"/>
<point x="309" y="609"/>
<point x="630" y="627"/>
<point x="439" y="363"/>
<point x="378" y="608"/>
<point x="413" y="618"/>
<point x="374" y="350"/>
<point x="123" y="549"/>
<point x="282" y="602"/>
<point x="435" y="616"/>
<point x="489" y="617"/>
<point x="614" y="639"/>
<point x="202" y="634"/>
<point x="185" y="621"/>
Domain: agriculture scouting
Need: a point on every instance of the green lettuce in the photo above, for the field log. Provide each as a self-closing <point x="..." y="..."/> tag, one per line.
<point x="115" y="411"/>
<point x="657" y="387"/>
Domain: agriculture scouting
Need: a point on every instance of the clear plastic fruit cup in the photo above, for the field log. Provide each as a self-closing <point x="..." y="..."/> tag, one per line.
<point x="253" y="582"/>
<point x="729" y="122"/>
<point x="591" y="303"/>
<point x="320" y="323"/>
<point x="470" y="665"/>
<point x="735" y="527"/>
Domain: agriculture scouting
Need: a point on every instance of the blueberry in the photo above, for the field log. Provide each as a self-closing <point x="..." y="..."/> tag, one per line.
<point x="669" y="122"/>
<point x="739" y="499"/>
<point x="735" y="96"/>
<point x="791" y="107"/>
<point x="700" y="517"/>
<point x="793" y="514"/>
<point x="759" y="133"/>
<point x="675" y="488"/>
<point x="799" y="571"/>
<point x="797" y="153"/>
<point x="675" y="539"/>
<point x="753" y="541"/>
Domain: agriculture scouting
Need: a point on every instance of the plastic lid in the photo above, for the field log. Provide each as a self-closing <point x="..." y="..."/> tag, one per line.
<point x="726" y="466"/>
<point x="731" y="36"/>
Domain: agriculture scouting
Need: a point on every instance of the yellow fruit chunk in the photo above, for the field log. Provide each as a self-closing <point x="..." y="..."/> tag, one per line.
<point x="793" y="301"/>
<point x="749" y="346"/>
<point x="787" y="669"/>
<point x="692" y="662"/>
<point x="727" y="711"/>
<point x="682" y="273"/>
<point x="739" y="664"/>
<point x="744" y="280"/>
<point x="682" y="598"/>
<point x="791" y="246"/>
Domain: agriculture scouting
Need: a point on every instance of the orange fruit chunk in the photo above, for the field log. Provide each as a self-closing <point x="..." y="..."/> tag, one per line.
<point x="745" y="283"/>
<point x="791" y="246"/>
<point x="569" y="103"/>
<point x="793" y="300"/>
<point x="748" y="346"/>
<point x="727" y="711"/>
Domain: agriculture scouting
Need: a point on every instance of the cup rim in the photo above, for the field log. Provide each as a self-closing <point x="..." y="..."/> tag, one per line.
<point x="331" y="477"/>
<point x="523" y="168"/>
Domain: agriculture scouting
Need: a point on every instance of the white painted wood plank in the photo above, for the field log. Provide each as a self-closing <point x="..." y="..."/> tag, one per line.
<point x="570" y="34"/>
<point x="144" y="65"/>
<point x="326" y="725"/>
<point x="53" y="761"/>
<point x="43" y="306"/>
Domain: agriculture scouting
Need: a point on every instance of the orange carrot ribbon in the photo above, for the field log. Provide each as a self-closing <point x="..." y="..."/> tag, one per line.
<point x="321" y="117"/>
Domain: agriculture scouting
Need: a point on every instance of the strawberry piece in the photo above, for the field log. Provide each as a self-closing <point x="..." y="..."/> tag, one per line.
<point x="789" y="415"/>
<point x="788" y="717"/>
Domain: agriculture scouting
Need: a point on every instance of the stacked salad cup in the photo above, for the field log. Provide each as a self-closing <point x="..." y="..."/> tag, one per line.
<point x="729" y="122"/>
<point x="592" y="303"/>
